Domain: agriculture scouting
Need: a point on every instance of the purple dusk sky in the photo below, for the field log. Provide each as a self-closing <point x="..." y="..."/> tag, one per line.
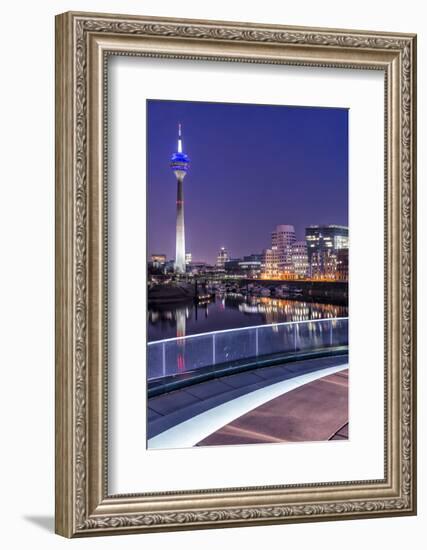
<point x="251" y="167"/>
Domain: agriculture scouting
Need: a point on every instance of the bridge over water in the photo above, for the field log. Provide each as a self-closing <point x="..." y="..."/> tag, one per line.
<point x="206" y="376"/>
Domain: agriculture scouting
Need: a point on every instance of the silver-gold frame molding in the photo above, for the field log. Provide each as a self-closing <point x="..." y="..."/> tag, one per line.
<point x="83" y="43"/>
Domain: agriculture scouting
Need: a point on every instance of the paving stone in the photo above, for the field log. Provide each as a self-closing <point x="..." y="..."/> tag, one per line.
<point x="309" y="413"/>
<point x="170" y="402"/>
<point x="208" y="389"/>
<point x="152" y="415"/>
<point x="168" y="410"/>
<point x="270" y="373"/>
<point x="242" y="379"/>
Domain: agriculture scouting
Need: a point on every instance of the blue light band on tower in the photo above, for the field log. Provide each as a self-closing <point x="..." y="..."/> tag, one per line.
<point x="179" y="164"/>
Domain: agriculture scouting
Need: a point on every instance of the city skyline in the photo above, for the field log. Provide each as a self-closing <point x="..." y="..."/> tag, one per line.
<point x="231" y="256"/>
<point x="235" y="149"/>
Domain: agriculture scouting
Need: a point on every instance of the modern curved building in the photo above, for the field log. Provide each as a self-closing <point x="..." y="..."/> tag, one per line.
<point x="179" y="164"/>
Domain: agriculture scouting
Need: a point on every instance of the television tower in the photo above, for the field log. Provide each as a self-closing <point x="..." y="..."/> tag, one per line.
<point x="179" y="164"/>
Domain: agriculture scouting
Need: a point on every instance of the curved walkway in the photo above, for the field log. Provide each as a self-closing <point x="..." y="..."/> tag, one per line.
<point x="189" y="416"/>
<point x="312" y="412"/>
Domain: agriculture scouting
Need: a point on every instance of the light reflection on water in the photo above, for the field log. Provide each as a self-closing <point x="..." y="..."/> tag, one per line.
<point x="227" y="312"/>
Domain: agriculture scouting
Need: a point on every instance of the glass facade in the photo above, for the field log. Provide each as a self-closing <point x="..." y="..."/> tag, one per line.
<point x="324" y="243"/>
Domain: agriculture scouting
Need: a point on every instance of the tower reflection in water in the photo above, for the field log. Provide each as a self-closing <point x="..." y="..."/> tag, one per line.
<point x="180" y="316"/>
<point x="179" y="320"/>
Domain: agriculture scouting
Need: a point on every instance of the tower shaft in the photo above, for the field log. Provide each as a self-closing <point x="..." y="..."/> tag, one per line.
<point x="180" y="227"/>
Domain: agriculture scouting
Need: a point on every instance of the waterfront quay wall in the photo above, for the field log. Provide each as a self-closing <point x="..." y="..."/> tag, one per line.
<point x="320" y="291"/>
<point x="336" y="290"/>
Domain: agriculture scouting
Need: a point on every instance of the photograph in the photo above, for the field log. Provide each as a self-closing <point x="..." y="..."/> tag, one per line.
<point x="235" y="271"/>
<point x="247" y="274"/>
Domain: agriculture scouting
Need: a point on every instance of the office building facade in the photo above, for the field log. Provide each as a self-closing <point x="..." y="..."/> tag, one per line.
<point x="282" y="239"/>
<point x="323" y="245"/>
<point x="222" y="258"/>
<point x="299" y="259"/>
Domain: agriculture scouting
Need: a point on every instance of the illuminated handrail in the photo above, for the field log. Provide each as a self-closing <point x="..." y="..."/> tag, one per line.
<point x="246" y="328"/>
<point x="183" y="354"/>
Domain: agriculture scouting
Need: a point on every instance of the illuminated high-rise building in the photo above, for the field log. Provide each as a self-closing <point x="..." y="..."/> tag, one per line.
<point x="158" y="260"/>
<point x="299" y="259"/>
<point x="342" y="264"/>
<point x="282" y="240"/>
<point x="179" y="164"/>
<point x="324" y="243"/>
<point x="222" y="257"/>
<point x="270" y="263"/>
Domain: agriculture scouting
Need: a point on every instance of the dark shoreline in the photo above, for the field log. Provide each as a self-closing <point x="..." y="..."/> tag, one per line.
<point x="324" y="292"/>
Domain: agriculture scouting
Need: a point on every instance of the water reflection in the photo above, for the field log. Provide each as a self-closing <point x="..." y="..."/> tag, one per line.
<point x="181" y="319"/>
<point x="227" y="312"/>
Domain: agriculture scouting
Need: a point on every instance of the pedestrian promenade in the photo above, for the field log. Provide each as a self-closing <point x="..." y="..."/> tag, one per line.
<point x="298" y="401"/>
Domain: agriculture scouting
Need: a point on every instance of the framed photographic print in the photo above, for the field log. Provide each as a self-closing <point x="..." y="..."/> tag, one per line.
<point x="235" y="274"/>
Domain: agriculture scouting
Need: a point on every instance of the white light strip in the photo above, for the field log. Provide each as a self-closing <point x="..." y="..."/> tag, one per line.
<point x="179" y="139"/>
<point x="193" y="430"/>
<point x="248" y="328"/>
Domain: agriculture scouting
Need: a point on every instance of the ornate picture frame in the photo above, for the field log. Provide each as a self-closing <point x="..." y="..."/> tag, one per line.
<point x="84" y="42"/>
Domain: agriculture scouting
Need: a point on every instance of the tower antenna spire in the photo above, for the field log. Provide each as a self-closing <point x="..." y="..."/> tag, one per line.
<point x="179" y="138"/>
